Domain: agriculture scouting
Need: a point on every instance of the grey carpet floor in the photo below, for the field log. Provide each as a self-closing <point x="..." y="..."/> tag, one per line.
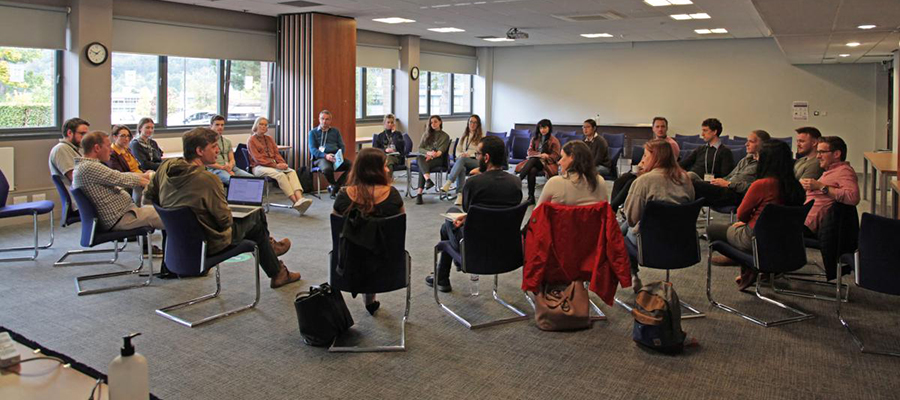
<point x="259" y="354"/>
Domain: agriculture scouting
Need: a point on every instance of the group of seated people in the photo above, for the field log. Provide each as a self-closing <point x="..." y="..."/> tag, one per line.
<point x="769" y="174"/>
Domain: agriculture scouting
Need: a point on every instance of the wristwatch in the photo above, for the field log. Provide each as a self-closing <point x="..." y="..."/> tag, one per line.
<point x="825" y="189"/>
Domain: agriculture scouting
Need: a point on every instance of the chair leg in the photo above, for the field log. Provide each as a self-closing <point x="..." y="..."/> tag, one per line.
<point x="35" y="247"/>
<point x="842" y="293"/>
<point x="521" y="316"/>
<point x="190" y="324"/>
<point x="372" y="349"/>
<point x="83" y="292"/>
<point x="855" y="337"/>
<point x="116" y="250"/>
<point x="799" y="314"/>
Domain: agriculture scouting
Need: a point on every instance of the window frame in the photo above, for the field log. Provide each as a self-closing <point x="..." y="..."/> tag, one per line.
<point x="453" y="113"/>
<point x="362" y="96"/>
<point x="43" y="131"/>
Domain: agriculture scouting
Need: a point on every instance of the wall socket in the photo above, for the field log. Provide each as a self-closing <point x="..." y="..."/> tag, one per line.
<point x="39" y="197"/>
<point x="20" y="199"/>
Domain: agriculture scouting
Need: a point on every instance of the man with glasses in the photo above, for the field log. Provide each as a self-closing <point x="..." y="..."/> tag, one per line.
<point x="838" y="182"/>
<point x="491" y="187"/>
<point x="63" y="155"/>
<point x="224" y="166"/>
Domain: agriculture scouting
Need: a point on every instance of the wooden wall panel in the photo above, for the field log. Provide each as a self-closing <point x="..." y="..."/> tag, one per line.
<point x="334" y="74"/>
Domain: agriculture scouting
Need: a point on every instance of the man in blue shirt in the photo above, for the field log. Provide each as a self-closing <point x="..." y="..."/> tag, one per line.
<point x="324" y="143"/>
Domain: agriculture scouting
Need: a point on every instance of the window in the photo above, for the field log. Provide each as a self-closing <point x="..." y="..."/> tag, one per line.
<point x="248" y="90"/>
<point x="192" y="97"/>
<point x="444" y="93"/>
<point x="374" y="92"/>
<point x="135" y="87"/>
<point x="28" y="88"/>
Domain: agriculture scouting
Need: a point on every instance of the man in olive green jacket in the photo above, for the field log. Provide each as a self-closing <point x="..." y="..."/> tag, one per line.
<point x="186" y="183"/>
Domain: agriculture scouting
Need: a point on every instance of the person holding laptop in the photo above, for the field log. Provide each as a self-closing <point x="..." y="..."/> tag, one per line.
<point x="185" y="182"/>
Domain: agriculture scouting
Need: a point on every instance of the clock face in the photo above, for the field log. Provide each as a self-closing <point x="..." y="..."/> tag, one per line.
<point x="96" y="53"/>
<point x="414" y="73"/>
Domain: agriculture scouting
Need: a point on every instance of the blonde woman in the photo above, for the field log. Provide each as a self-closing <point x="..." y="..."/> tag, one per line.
<point x="266" y="161"/>
<point x="465" y="154"/>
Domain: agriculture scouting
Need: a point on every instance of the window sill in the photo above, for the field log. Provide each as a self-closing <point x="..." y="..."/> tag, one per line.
<point x="30" y="133"/>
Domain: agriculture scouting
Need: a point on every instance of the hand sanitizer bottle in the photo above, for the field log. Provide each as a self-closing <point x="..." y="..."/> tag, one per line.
<point x="128" y="376"/>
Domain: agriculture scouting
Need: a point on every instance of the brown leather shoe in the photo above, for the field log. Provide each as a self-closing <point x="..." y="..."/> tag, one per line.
<point x="284" y="277"/>
<point x="281" y="247"/>
<point x="723" y="261"/>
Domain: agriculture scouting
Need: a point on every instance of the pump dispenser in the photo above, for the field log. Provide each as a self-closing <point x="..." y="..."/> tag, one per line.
<point x="128" y="376"/>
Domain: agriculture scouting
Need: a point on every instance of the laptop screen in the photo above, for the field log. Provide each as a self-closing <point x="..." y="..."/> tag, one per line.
<point x="247" y="191"/>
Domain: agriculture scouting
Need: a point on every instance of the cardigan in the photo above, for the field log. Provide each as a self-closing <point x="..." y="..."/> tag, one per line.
<point x="551" y="166"/>
<point x="263" y="151"/>
<point x="121" y="160"/>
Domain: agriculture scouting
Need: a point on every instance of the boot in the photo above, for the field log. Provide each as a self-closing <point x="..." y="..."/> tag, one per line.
<point x="284" y="277"/>
<point x="280" y="247"/>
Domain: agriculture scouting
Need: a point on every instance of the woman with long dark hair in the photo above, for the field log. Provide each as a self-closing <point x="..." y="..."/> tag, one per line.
<point x="578" y="182"/>
<point x="432" y="149"/>
<point x="369" y="190"/>
<point x="775" y="184"/>
<point x="465" y="154"/>
<point x="543" y="156"/>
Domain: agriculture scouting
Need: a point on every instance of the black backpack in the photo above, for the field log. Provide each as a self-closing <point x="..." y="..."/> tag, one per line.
<point x="306" y="179"/>
<point x="657" y="318"/>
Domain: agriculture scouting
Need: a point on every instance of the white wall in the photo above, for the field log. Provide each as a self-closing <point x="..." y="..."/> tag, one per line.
<point x="746" y="83"/>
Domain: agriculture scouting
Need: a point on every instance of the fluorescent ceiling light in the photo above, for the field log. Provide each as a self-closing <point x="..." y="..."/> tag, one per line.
<point x="700" y="16"/>
<point x="446" y="30"/>
<point x="393" y="20"/>
<point x="658" y="3"/>
<point x="499" y="39"/>
<point x="866" y="27"/>
<point x="680" y="17"/>
<point x="680" y="2"/>
<point x="703" y="31"/>
<point x="843" y="55"/>
<point x="719" y="30"/>
<point x="596" y="35"/>
<point x="852" y="44"/>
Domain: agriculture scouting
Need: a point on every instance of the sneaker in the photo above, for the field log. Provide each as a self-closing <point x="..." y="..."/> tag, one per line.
<point x="429" y="184"/>
<point x="284" y="277"/>
<point x="636" y="283"/>
<point x="419" y="199"/>
<point x="302" y="205"/>
<point x="458" y="201"/>
<point x="442" y="287"/>
<point x="446" y="187"/>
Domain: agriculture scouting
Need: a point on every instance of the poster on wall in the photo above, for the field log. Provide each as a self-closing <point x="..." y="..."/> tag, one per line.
<point x="800" y="110"/>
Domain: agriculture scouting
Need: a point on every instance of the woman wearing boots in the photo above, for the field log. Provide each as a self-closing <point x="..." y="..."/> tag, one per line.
<point x="432" y="149"/>
<point x="543" y="156"/>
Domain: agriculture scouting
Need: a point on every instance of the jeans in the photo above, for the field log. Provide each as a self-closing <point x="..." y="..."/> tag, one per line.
<point x="453" y="235"/>
<point x="630" y="236"/>
<point x="226" y="177"/>
<point x="327" y="168"/>
<point x="460" y="169"/>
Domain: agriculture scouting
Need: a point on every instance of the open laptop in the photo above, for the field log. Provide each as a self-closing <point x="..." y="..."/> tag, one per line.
<point x="245" y="195"/>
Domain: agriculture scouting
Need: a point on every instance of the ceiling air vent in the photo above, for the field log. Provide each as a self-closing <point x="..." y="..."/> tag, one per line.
<point x="300" y="4"/>
<point x="604" y="16"/>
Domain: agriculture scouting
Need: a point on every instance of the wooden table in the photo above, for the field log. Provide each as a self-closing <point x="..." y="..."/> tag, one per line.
<point x="895" y="189"/>
<point x="360" y="141"/>
<point x="46" y="379"/>
<point x="884" y="165"/>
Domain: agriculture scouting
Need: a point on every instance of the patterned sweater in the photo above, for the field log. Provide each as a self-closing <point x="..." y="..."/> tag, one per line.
<point x="103" y="186"/>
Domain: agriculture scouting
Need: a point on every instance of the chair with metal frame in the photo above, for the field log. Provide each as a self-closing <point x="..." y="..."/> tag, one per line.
<point x="668" y="239"/>
<point x="777" y="248"/>
<point x="33" y="208"/>
<point x="186" y="256"/>
<point x="245" y="153"/>
<point x="838" y="235"/>
<point x="92" y="235"/>
<point x="491" y="245"/>
<point x="437" y="173"/>
<point x="392" y="272"/>
<point x="875" y="266"/>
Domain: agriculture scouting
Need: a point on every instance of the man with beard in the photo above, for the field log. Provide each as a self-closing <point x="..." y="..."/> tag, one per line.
<point x="807" y="164"/>
<point x="491" y="187"/>
<point x="62" y="156"/>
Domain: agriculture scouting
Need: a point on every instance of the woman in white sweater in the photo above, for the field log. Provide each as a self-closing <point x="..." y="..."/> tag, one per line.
<point x="578" y="182"/>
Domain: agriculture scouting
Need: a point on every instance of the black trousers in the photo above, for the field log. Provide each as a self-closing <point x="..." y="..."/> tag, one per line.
<point x="255" y="228"/>
<point x="425" y="167"/>
<point x="620" y="189"/>
<point x="530" y="170"/>
<point x="327" y="168"/>
<point x="716" y="196"/>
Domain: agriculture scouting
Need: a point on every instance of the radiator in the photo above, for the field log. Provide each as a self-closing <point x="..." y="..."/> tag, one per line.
<point x="7" y="165"/>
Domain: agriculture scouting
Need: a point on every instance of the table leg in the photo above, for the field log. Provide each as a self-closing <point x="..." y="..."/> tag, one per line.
<point x="865" y="192"/>
<point x="872" y="193"/>
<point x="896" y="203"/>
<point x="884" y="190"/>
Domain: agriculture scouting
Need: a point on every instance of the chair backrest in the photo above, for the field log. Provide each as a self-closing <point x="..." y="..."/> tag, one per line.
<point x="563" y="139"/>
<point x="453" y="149"/>
<point x="681" y="139"/>
<point x="70" y="216"/>
<point x="738" y="152"/>
<point x="4" y="189"/>
<point x="615" y="139"/>
<point x="390" y="273"/>
<point x="778" y="238"/>
<point x="879" y="250"/>
<point x="668" y="237"/>
<point x="89" y="217"/>
<point x="520" y="132"/>
<point x="691" y="146"/>
<point x="789" y="140"/>
<point x="683" y="153"/>
<point x="501" y="135"/>
<point x="409" y="144"/>
<point x="519" y="147"/>
<point x="637" y="152"/>
<point x="185" y="251"/>
<point x="242" y="157"/>
<point x="492" y="240"/>
<point x="738" y="139"/>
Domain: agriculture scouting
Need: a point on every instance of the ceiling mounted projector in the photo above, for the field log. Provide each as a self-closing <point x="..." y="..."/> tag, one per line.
<point x="514" y="33"/>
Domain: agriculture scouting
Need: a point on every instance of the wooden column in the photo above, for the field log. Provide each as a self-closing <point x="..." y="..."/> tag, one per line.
<point x="316" y="71"/>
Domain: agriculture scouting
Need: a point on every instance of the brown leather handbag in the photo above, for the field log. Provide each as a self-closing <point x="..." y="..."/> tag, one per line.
<point x="561" y="307"/>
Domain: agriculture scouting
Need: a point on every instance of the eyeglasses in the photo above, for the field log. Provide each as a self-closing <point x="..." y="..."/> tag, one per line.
<point x="478" y="154"/>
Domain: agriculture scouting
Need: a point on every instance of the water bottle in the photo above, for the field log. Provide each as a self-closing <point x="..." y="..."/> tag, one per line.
<point x="474" y="279"/>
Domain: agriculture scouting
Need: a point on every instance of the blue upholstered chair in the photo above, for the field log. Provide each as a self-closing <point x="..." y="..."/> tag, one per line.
<point x="616" y="142"/>
<point x="875" y="266"/>
<point x="777" y="248"/>
<point x="501" y="135"/>
<point x="518" y="148"/>
<point x="245" y="157"/>
<point x="33" y="208"/>
<point x="668" y="240"/>
<point x="186" y="256"/>
<point x="393" y="272"/>
<point x="92" y="235"/>
<point x="491" y="245"/>
<point x="437" y="173"/>
<point x="69" y="213"/>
